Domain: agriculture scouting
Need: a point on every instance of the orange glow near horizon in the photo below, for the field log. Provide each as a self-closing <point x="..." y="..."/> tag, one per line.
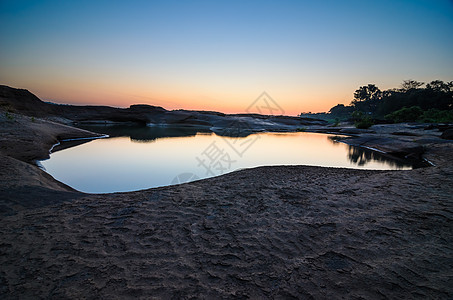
<point x="192" y="101"/>
<point x="221" y="55"/>
<point x="123" y="95"/>
<point x="199" y="93"/>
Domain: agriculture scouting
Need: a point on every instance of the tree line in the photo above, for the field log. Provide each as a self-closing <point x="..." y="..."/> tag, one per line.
<point x="413" y="101"/>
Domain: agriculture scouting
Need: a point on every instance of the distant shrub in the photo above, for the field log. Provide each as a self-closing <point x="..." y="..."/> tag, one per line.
<point x="301" y="129"/>
<point x="357" y="115"/>
<point x="33" y="119"/>
<point x="416" y="114"/>
<point x="336" y="122"/>
<point x="364" y="123"/>
<point x="361" y="120"/>
<point x="437" y="116"/>
<point x="406" y="114"/>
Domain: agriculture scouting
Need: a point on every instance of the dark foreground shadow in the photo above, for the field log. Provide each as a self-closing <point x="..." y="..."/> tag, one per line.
<point x="18" y="198"/>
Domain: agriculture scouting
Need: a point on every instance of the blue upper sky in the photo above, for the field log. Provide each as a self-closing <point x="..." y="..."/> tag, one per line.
<point x="308" y="55"/>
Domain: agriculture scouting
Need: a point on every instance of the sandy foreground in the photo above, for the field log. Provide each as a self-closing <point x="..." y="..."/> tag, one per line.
<point x="268" y="232"/>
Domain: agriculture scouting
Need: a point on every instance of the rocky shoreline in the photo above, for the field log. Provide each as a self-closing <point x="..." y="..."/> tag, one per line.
<point x="267" y="232"/>
<point x="28" y="104"/>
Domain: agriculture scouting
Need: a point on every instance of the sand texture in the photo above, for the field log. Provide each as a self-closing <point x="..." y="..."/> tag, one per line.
<point x="270" y="232"/>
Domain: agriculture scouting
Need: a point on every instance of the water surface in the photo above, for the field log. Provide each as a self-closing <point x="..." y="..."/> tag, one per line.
<point x="142" y="157"/>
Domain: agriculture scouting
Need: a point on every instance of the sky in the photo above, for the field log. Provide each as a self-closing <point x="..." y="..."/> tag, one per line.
<point x="221" y="55"/>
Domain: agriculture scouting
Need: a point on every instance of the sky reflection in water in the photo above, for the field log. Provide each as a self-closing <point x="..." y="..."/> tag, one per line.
<point x="142" y="157"/>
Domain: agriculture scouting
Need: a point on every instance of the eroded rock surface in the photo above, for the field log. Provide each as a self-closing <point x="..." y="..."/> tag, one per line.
<point x="268" y="232"/>
<point x="24" y="102"/>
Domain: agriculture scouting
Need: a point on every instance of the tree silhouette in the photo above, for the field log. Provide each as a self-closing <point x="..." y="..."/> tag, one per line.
<point x="411" y="84"/>
<point x="440" y="86"/>
<point x="341" y="111"/>
<point x="366" y="98"/>
<point x="435" y="100"/>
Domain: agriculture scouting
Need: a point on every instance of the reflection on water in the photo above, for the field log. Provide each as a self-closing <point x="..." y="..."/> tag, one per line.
<point x="142" y="157"/>
<point x="139" y="133"/>
<point x="361" y="157"/>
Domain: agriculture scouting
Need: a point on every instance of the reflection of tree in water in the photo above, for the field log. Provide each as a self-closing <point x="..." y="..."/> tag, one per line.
<point x="358" y="156"/>
<point x="361" y="157"/>
<point x="334" y="139"/>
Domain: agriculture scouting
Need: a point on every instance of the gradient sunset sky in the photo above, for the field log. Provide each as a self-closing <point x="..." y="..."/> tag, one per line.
<point x="221" y="55"/>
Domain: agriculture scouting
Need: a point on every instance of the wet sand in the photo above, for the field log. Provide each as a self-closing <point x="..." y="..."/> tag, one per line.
<point x="268" y="232"/>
